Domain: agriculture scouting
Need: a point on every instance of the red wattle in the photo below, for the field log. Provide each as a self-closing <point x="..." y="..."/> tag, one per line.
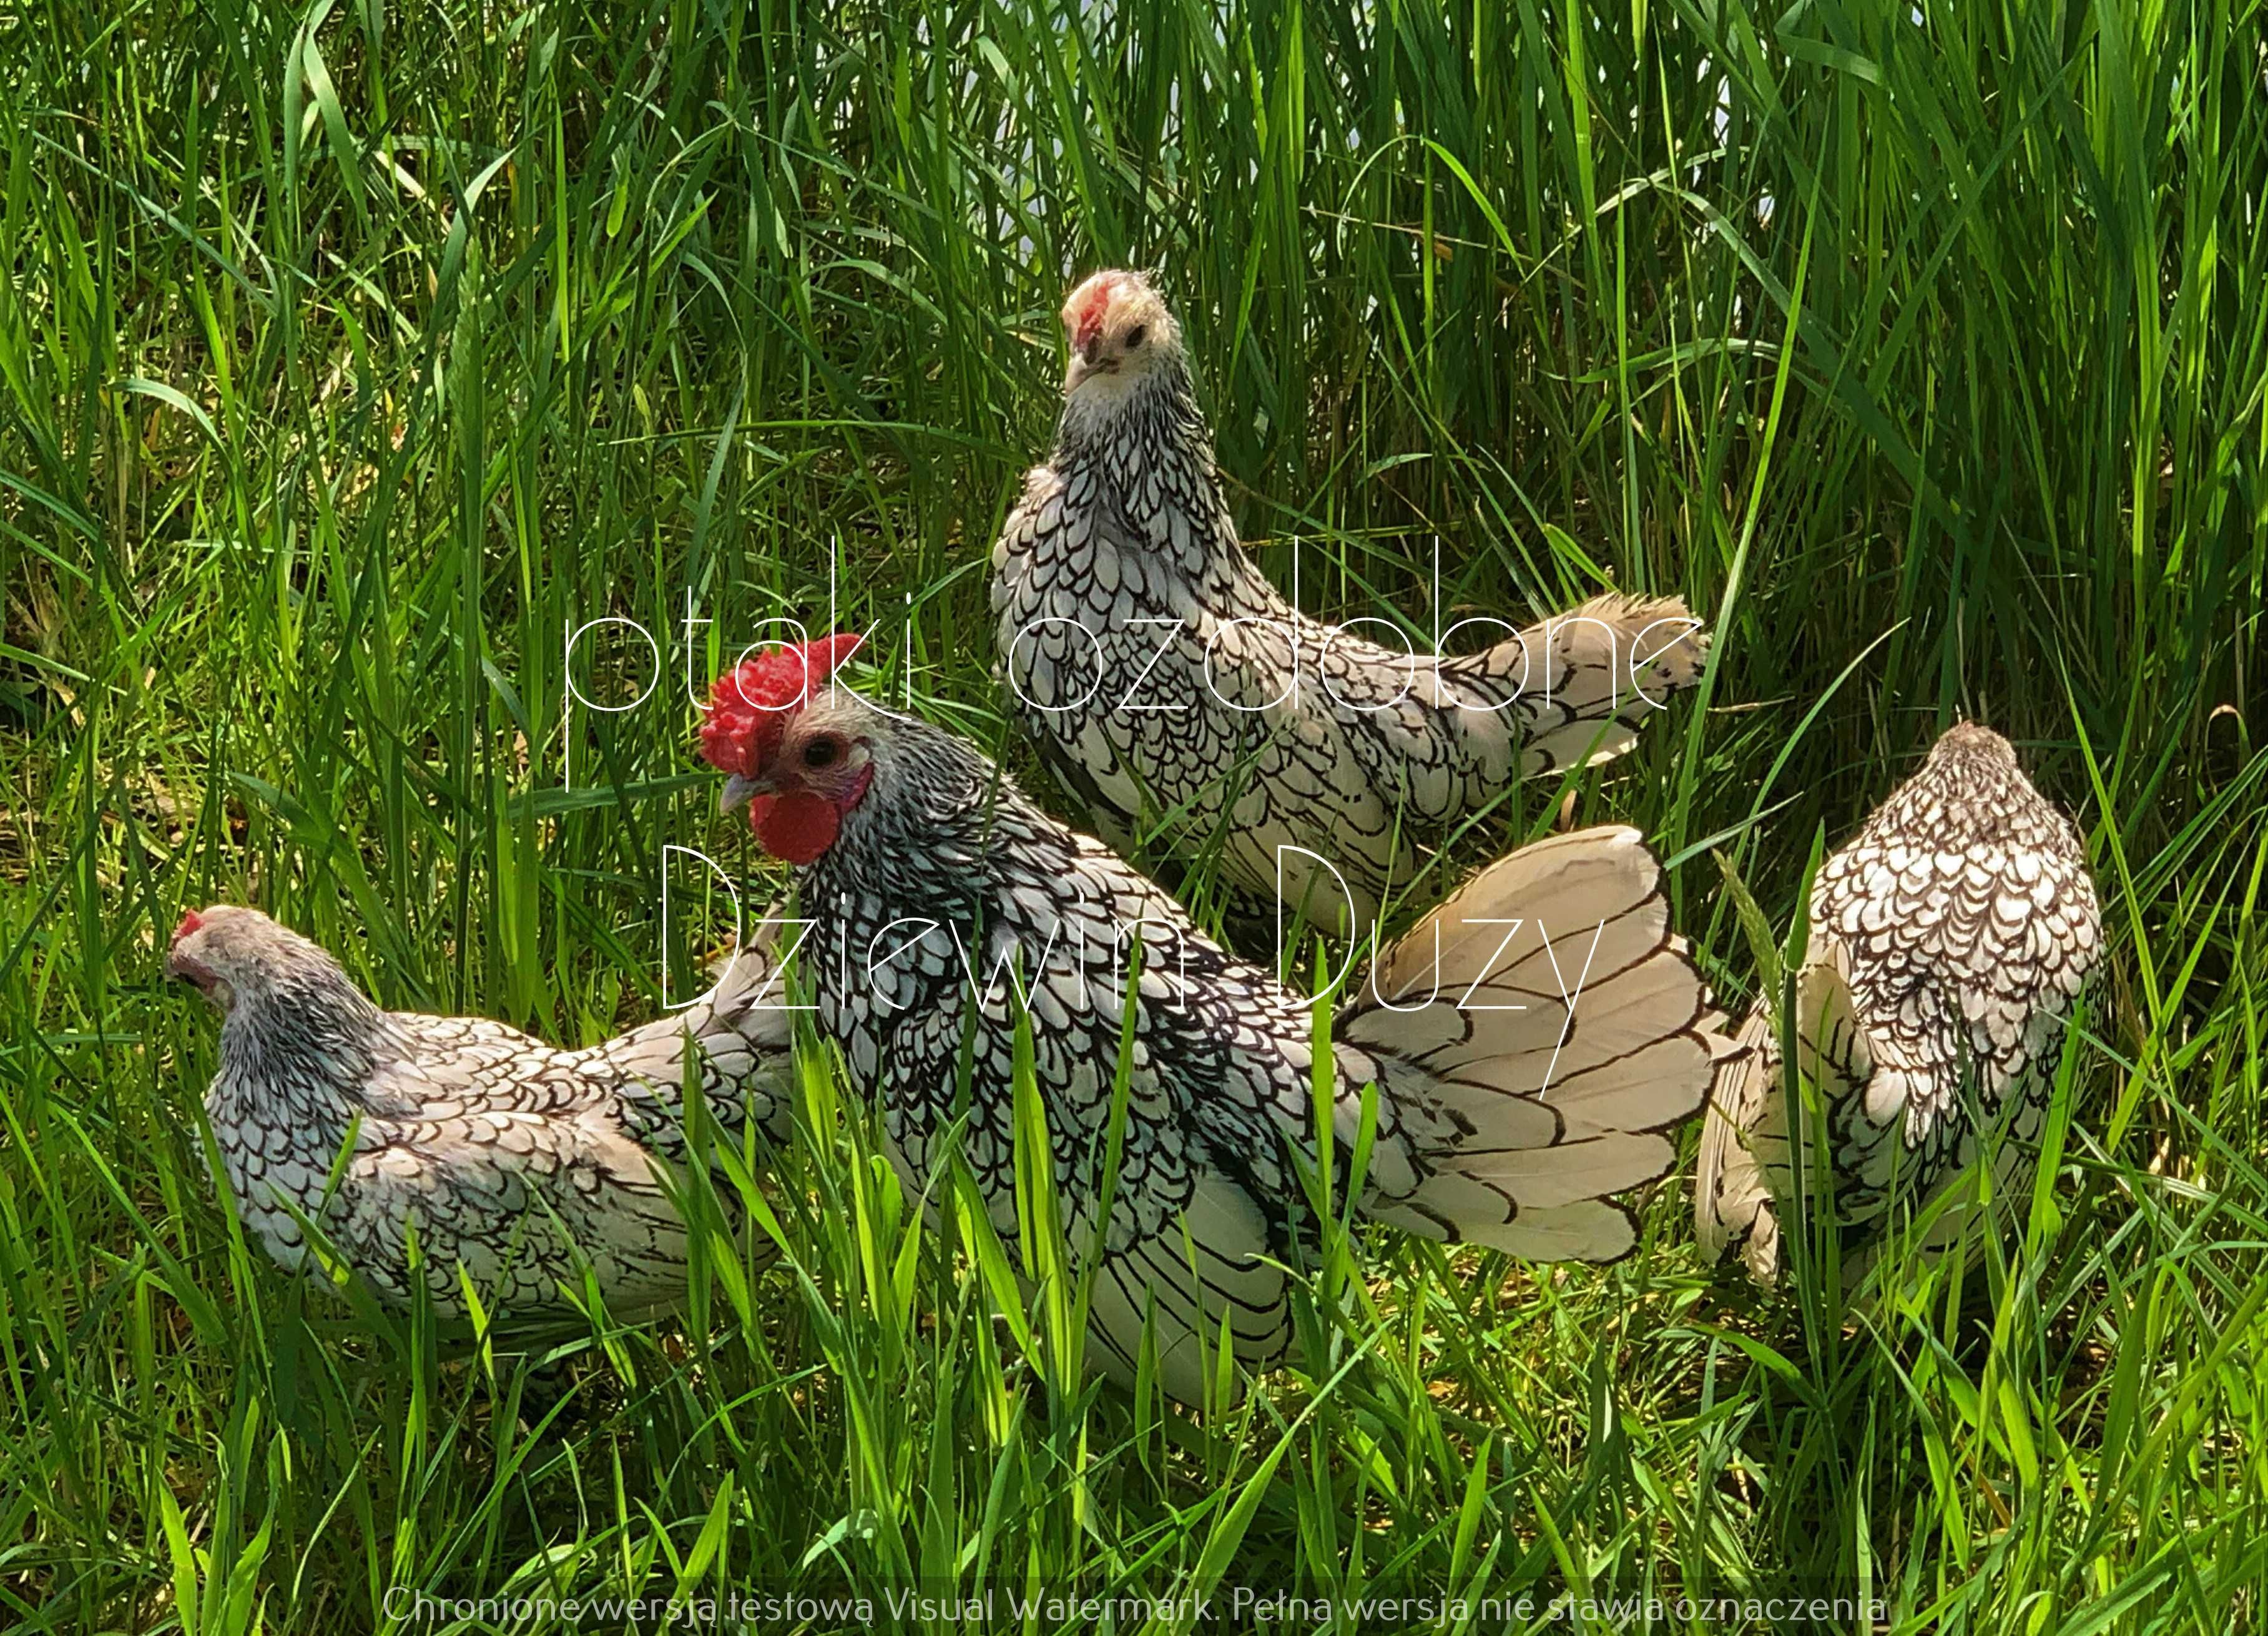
<point x="796" y="827"/>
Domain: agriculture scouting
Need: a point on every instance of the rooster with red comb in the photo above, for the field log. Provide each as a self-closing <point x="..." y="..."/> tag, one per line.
<point x="1509" y="1109"/>
<point x="1172" y="689"/>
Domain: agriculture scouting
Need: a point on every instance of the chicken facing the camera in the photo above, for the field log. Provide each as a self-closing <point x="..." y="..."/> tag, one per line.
<point x="1168" y="682"/>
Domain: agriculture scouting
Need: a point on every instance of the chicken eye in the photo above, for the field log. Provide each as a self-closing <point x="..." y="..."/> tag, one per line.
<point x="1135" y="336"/>
<point x="821" y="753"/>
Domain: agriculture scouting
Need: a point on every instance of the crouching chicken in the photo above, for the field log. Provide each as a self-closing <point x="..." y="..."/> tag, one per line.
<point x="1531" y="1048"/>
<point x="1949" y="941"/>
<point x="515" y="1163"/>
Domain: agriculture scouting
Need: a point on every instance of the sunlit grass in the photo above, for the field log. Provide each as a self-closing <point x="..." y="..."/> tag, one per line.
<point x="350" y="359"/>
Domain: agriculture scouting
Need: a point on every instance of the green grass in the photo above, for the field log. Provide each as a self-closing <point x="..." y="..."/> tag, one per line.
<point x="348" y="359"/>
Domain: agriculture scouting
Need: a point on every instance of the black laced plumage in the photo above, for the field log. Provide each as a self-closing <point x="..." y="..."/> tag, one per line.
<point x="517" y="1163"/>
<point x="1950" y="938"/>
<point x="1167" y="681"/>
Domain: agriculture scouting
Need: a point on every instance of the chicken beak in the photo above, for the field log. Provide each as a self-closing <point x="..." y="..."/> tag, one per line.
<point x="1086" y="359"/>
<point x="181" y="968"/>
<point x="739" y="790"/>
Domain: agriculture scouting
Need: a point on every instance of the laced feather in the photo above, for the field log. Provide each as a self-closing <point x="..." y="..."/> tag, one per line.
<point x="1166" y="679"/>
<point x="520" y="1164"/>
<point x="1564" y="1034"/>
<point x="1950" y="936"/>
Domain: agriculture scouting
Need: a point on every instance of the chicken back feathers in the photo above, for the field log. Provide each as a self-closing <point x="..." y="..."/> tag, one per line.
<point x="1950" y="940"/>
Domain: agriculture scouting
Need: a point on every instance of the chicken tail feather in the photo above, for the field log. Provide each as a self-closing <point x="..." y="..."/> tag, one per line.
<point x="1542" y="1035"/>
<point x="1588" y="678"/>
<point x="742" y="1031"/>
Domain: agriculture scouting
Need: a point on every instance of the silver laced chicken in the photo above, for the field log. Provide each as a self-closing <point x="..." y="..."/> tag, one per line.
<point x="1532" y="1047"/>
<point x="1167" y="682"/>
<point x="1950" y="940"/>
<point x="515" y="1163"/>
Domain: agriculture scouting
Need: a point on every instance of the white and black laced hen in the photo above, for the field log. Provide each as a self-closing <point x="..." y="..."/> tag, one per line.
<point x="936" y="897"/>
<point x="1166" y="680"/>
<point x="1949" y="941"/>
<point x="517" y="1162"/>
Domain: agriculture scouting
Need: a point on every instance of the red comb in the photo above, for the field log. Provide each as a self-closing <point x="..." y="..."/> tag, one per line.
<point x="748" y="707"/>
<point x="190" y="922"/>
<point x="1084" y="312"/>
